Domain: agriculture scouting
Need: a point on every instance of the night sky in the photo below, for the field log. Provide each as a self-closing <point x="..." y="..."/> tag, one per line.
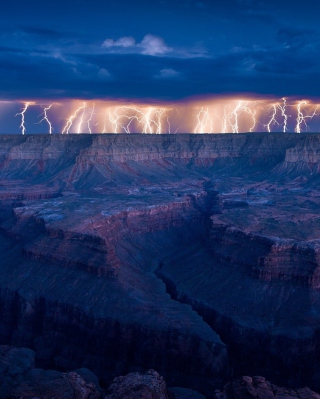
<point x="158" y="50"/>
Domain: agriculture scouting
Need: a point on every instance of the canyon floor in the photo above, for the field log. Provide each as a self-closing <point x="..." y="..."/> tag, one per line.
<point x="195" y="255"/>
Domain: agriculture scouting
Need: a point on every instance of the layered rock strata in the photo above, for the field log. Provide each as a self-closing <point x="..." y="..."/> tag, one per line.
<point x="196" y="255"/>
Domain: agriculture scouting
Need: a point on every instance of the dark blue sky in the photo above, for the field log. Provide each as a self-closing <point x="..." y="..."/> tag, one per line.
<point x="158" y="50"/>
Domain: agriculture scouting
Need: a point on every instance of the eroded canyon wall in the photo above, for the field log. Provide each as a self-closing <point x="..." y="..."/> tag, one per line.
<point x="185" y="253"/>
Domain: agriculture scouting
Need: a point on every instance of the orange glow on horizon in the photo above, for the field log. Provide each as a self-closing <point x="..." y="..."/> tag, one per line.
<point x="217" y="115"/>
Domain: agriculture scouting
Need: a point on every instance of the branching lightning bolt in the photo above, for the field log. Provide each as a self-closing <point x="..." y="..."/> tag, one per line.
<point x="283" y="113"/>
<point x="204" y="121"/>
<point x="154" y="118"/>
<point x="234" y="117"/>
<point x="90" y="118"/>
<point x="301" y="118"/>
<point x="225" y="119"/>
<point x="69" y="123"/>
<point x="81" y="120"/>
<point x="253" y="113"/>
<point x="22" y="125"/>
<point x="45" y="118"/>
<point x="105" y="121"/>
<point x="150" y="120"/>
<point x="230" y="118"/>
<point x="115" y="120"/>
<point x="231" y="115"/>
<point x="169" y="125"/>
<point x="179" y="127"/>
<point x="273" y="120"/>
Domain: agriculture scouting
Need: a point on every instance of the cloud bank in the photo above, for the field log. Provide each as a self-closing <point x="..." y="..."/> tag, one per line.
<point x="150" y="45"/>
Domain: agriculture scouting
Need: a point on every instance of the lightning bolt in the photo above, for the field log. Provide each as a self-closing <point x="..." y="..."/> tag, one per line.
<point x="230" y="118"/>
<point x="90" y="118"/>
<point x="301" y="118"/>
<point x="169" y="125"/>
<point x="224" y="119"/>
<point x="273" y="120"/>
<point x="234" y="115"/>
<point x="124" y="120"/>
<point x="81" y="120"/>
<point x="115" y="119"/>
<point x="146" y="121"/>
<point x="45" y="118"/>
<point x="179" y="127"/>
<point x="105" y="121"/>
<point x="70" y="121"/>
<point x="204" y="121"/>
<point x="283" y="113"/>
<point x="253" y="113"/>
<point x="233" y="118"/>
<point x="150" y="120"/>
<point x="22" y="113"/>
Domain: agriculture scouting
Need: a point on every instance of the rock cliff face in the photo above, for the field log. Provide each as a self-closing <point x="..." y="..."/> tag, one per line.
<point x="196" y="255"/>
<point x="268" y="258"/>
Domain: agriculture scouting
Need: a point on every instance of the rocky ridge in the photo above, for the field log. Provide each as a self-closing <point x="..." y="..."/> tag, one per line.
<point x="20" y="379"/>
<point x="257" y="387"/>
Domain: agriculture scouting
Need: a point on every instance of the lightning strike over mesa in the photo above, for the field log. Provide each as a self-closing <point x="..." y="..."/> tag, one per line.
<point x="160" y="140"/>
<point x="302" y="118"/>
<point x="273" y="121"/>
<point x="284" y="114"/>
<point x="204" y="122"/>
<point x="154" y="119"/>
<point x="252" y="113"/>
<point x="71" y="119"/>
<point x="225" y="115"/>
<point x="22" y="114"/>
<point x="234" y="116"/>
<point x="230" y="116"/>
<point x="45" y="118"/>
<point x="224" y="119"/>
<point x="150" y="120"/>
<point x="90" y="118"/>
<point x="105" y="115"/>
<point x="81" y="119"/>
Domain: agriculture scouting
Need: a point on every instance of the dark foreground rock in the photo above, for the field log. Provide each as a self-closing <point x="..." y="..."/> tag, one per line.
<point x="20" y="379"/>
<point x="259" y="388"/>
<point x="185" y="393"/>
<point x="136" y="386"/>
<point x="54" y="385"/>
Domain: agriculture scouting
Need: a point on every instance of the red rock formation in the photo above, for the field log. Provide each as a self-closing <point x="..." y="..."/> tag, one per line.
<point x="268" y="258"/>
<point x="136" y="386"/>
